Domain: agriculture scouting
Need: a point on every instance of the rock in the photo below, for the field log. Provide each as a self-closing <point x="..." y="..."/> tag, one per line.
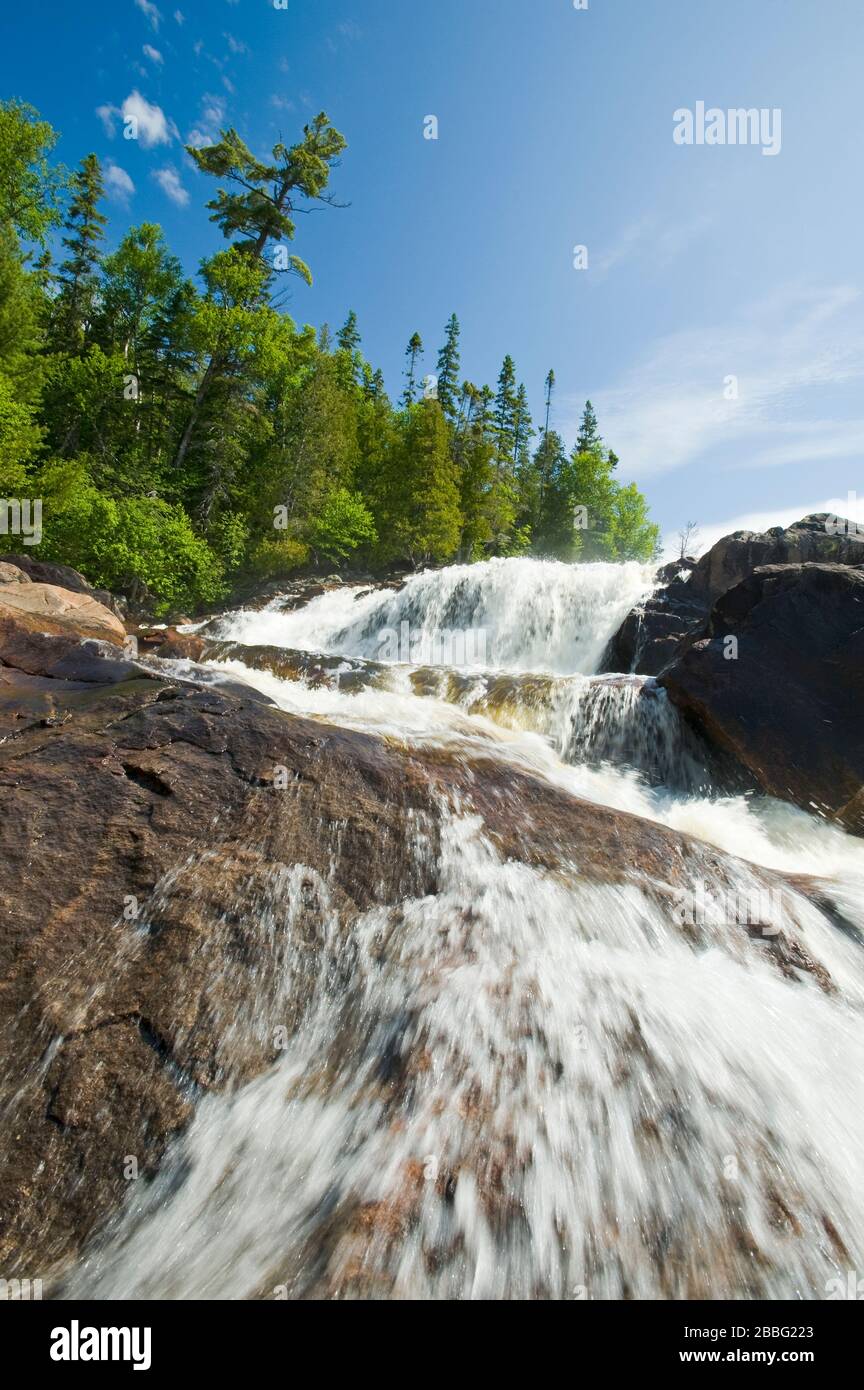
<point x="180" y="646"/>
<point x="44" y="608"/>
<point x="788" y="709"/>
<point x="658" y="630"/>
<point x="62" y="657"/>
<point x="733" y="558"/>
<point x="11" y="574"/>
<point x="162" y="846"/>
<point x="64" y="577"/>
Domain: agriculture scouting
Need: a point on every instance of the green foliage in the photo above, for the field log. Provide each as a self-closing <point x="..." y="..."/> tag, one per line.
<point x="167" y="423"/>
<point x="130" y="543"/>
<point x="30" y="187"/>
<point x="20" y="437"/>
<point x="277" y="557"/>
<point x="343" y="523"/>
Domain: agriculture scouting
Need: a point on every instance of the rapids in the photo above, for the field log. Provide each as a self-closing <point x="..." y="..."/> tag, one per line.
<point x="526" y="1085"/>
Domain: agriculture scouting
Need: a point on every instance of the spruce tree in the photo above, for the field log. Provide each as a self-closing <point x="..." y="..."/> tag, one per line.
<point x="75" y="304"/>
<point x="348" y="336"/>
<point x="588" y="438"/>
<point x="448" y="370"/>
<point x="413" y="353"/>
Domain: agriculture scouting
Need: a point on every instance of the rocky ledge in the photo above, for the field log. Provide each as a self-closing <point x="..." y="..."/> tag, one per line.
<point x="159" y="841"/>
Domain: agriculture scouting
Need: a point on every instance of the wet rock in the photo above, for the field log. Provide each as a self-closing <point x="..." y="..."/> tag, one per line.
<point x="178" y="646"/>
<point x="787" y="705"/>
<point x="162" y="847"/>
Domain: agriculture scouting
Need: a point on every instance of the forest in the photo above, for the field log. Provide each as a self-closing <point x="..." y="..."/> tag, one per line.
<point x="187" y="438"/>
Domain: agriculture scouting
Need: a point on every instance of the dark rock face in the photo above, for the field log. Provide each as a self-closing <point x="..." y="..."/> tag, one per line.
<point x="656" y="632"/>
<point x="789" y="707"/>
<point x="652" y="634"/>
<point x="158" y="843"/>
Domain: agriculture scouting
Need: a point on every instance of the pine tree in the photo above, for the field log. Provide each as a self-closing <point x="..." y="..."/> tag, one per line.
<point x="448" y="370"/>
<point x="75" y="304"/>
<point x="426" y="519"/>
<point x="413" y="352"/>
<point x="588" y="438"/>
<point x="262" y="211"/>
<point x="505" y="413"/>
<point x="523" y="429"/>
<point x="348" y="337"/>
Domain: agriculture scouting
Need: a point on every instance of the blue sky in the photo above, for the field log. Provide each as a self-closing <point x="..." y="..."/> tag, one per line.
<point x="705" y="262"/>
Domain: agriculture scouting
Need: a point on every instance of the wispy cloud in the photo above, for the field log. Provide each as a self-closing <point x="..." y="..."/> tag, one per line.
<point x="118" y="184"/>
<point x="206" y="129"/>
<point x="151" y="12"/>
<point x="152" y="53"/>
<point x="752" y="389"/>
<point x="235" y="45"/>
<point x="656" y="242"/>
<point x="169" y="181"/>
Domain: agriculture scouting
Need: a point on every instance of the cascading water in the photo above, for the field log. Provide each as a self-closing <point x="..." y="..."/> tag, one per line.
<point x="527" y="1084"/>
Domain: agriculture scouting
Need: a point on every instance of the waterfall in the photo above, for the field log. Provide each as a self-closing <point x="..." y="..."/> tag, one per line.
<point x="533" y="615"/>
<point x="529" y="1083"/>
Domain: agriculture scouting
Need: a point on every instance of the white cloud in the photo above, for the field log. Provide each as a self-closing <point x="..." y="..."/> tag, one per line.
<point x="236" y="45"/>
<point x="150" y="11"/>
<point x="152" y="53"/>
<point x="118" y="184"/>
<point x="151" y="123"/>
<point x="169" y="181"/>
<point x="179" y="16"/>
<point x="786" y="352"/>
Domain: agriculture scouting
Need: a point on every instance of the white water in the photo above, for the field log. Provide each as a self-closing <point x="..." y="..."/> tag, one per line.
<point x="528" y="1085"/>
<point x="537" y="615"/>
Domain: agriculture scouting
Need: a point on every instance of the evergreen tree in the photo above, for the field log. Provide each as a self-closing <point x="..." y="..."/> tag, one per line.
<point x="505" y="414"/>
<point x="269" y="193"/>
<point x="588" y="438"/>
<point x="75" y="304"/>
<point x="348" y="337"/>
<point x="413" y="352"/>
<point x="555" y="533"/>
<point x="425" y="517"/>
<point x="448" y="370"/>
